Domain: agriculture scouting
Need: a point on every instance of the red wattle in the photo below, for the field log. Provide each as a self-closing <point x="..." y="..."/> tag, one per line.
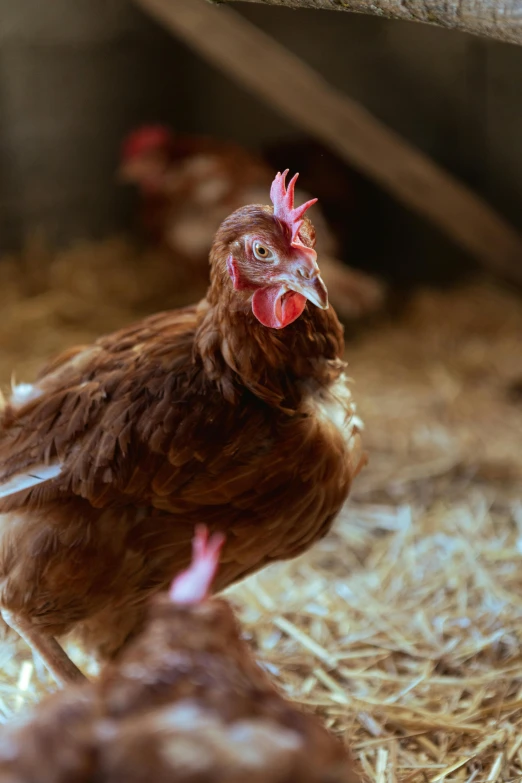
<point x="276" y="307"/>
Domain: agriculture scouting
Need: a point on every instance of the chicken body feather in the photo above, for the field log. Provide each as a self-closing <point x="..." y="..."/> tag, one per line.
<point x="185" y="702"/>
<point x="194" y="416"/>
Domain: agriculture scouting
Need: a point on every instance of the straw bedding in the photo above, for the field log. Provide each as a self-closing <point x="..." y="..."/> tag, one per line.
<point x="403" y="628"/>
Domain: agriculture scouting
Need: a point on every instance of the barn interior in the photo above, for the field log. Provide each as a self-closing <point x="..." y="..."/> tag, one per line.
<point x="402" y="629"/>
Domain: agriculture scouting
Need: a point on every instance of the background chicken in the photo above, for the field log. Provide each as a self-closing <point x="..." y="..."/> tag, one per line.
<point x="234" y="412"/>
<point x="185" y="702"/>
<point x="189" y="184"/>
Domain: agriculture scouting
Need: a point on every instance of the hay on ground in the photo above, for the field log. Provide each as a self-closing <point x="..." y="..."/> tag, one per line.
<point x="403" y="628"/>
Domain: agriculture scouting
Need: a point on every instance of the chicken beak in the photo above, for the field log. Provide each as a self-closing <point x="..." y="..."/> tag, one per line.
<point x="304" y="278"/>
<point x="312" y="289"/>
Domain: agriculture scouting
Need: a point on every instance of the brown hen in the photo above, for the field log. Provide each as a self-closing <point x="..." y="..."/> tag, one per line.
<point x="189" y="184"/>
<point x="184" y="703"/>
<point x="234" y="409"/>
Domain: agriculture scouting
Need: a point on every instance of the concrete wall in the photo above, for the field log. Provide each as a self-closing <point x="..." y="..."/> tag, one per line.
<point x="74" y="76"/>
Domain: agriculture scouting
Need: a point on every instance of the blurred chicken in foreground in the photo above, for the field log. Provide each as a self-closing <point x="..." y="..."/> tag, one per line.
<point x="189" y="184"/>
<point x="184" y="703"/>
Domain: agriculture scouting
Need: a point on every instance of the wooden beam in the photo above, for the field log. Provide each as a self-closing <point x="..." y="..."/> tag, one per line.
<point x="267" y="69"/>
<point x="500" y="19"/>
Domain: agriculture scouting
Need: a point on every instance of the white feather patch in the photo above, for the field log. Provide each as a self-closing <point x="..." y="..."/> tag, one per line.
<point x="22" y="393"/>
<point x="336" y="406"/>
<point x="38" y="474"/>
<point x="192" y="231"/>
<point x="211" y="190"/>
<point x="201" y="166"/>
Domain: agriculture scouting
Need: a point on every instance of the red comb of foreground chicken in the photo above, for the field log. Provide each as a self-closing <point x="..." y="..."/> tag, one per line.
<point x="236" y="409"/>
<point x="193" y="584"/>
<point x="184" y="702"/>
<point x="189" y="184"/>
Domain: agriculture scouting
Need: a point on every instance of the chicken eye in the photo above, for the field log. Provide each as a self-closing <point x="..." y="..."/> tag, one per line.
<point x="261" y="252"/>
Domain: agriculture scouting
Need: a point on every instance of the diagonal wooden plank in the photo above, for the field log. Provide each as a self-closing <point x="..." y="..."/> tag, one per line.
<point x="262" y="65"/>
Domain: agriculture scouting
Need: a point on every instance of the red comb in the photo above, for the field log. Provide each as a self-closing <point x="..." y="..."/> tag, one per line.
<point x="283" y="201"/>
<point x="193" y="585"/>
<point x="146" y="139"/>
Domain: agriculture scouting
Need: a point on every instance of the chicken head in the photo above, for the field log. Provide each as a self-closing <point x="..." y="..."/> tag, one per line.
<point x="271" y="254"/>
<point x="145" y="158"/>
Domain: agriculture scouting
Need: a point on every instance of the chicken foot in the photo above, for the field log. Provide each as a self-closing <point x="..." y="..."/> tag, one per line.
<point x="54" y="657"/>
